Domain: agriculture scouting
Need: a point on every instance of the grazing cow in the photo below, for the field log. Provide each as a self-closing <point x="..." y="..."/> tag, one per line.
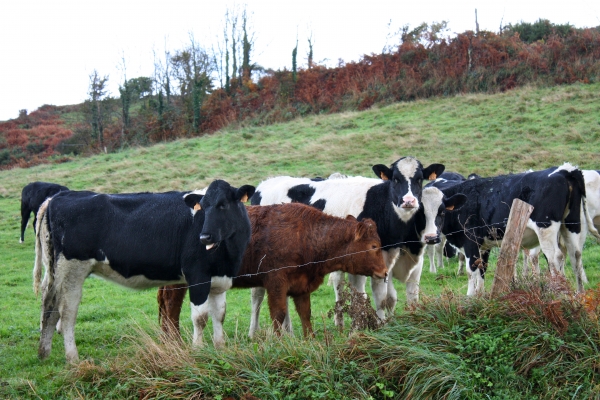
<point x="556" y="194"/>
<point x="139" y="240"/>
<point x="393" y="202"/>
<point x="32" y="197"/>
<point x="322" y="244"/>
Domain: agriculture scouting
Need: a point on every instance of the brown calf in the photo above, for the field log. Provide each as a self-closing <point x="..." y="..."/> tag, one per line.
<point x="293" y="247"/>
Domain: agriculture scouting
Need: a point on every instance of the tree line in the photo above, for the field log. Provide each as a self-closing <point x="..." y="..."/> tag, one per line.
<point x="197" y="90"/>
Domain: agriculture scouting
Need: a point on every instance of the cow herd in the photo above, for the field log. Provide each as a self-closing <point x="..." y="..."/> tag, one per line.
<point x="294" y="233"/>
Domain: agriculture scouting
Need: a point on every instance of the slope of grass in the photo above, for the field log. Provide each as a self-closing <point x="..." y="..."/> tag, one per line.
<point x="509" y="132"/>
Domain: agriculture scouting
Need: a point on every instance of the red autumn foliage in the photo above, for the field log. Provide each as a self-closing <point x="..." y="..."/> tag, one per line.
<point x="468" y="63"/>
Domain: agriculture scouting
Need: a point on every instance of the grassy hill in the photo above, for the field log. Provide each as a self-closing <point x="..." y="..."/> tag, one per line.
<point x="486" y="134"/>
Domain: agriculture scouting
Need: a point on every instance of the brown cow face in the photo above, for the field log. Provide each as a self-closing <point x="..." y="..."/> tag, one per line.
<point x="365" y="249"/>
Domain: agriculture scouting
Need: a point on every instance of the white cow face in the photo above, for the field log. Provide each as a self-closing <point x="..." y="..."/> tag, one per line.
<point x="435" y="206"/>
<point x="406" y="181"/>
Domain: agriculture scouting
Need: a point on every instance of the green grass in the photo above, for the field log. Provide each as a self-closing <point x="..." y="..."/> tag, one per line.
<point x="509" y="132"/>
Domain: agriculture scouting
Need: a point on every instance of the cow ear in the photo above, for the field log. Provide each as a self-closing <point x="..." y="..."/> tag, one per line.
<point x="359" y="232"/>
<point x="382" y="172"/>
<point x="455" y="202"/>
<point x="244" y="193"/>
<point x="432" y="172"/>
<point x="193" y="201"/>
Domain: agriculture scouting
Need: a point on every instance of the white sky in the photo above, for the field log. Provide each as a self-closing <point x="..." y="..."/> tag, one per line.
<point x="48" y="48"/>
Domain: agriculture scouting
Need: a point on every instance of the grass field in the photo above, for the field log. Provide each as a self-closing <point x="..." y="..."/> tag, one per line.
<point x="489" y="135"/>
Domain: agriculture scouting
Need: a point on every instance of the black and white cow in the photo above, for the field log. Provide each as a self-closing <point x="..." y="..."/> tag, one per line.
<point x="592" y="195"/>
<point x="32" y="197"/>
<point x="139" y="241"/>
<point x="557" y="195"/>
<point x="439" y="250"/>
<point x="405" y="215"/>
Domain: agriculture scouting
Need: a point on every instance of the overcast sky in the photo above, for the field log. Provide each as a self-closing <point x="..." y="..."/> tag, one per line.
<point x="49" y="48"/>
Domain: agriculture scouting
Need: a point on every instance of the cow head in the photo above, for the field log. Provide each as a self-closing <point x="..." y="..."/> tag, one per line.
<point x="223" y="210"/>
<point x="435" y="206"/>
<point x="406" y="182"/>
<point x="365" y="249"/>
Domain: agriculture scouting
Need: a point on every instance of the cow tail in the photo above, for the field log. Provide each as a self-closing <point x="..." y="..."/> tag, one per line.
<point x="43" y="246"/>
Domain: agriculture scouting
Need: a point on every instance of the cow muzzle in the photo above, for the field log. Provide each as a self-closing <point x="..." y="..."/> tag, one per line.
<point x="207" y="240"/>
<point x="432" y="239"/>
<point x="409" y="202"/>
<point x="381" y="275"/>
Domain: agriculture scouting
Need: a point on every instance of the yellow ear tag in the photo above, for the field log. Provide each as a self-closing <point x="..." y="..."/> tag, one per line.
<point x="432" y="176"/>
<point x="197" y="207"/>
<point x="383" y="176"/>
<point x="244" y="198"/>
<point x="450" y="208"/>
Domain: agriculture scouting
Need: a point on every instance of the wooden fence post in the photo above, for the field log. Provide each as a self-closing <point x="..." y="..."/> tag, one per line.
<point x="511" y="244"/>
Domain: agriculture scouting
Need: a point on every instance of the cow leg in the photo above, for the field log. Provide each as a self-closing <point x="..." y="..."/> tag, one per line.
<point x="214" y="304"/>
<point x="548" y="238"/>
<point x="414" y="282"/>
<point x="75" y="273"/>
<point x="476" y="261"/>
<point x="431" y="252"/>
<point x="461" y="263"/>
<point x="408" y="270"/>
<point x="574" y="247"/>
<point x="287" y="322"/>
<point x="48" y="320"/>
<point x="25" y="213"/>
<point x="277" y="300"/>
<point x="440" y="252"/>
<point x="384" y="295"/>
<point x="526" y="255"/>
<point x="337" y="280"/>
<point x="170" y="298"/>
<point x="302" y="303"/>
<point x="534" y="259"/>
<point x="257" y="297"/>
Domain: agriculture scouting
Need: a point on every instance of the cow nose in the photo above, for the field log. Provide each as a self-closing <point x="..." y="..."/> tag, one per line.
<point x="409" y="202"/>
<point x="205" y="238"/>
<point x="432" y="238"/>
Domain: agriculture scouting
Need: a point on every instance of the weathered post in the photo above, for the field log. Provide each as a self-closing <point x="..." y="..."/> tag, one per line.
<point x="511" y="244"/>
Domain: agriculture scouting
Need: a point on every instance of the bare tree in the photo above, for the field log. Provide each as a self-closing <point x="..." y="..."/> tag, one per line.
<point x="98" y="107"/>
<point x="192" y="69"/>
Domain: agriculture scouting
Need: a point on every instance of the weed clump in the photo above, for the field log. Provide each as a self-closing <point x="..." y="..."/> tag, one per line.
<point x="358" y="307"/>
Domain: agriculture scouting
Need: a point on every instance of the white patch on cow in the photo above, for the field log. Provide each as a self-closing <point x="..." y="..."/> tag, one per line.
<point x="565" y="167"/>
<point x="214" y="307"/>
<point x="220" y="284"/>
<point x="274" y="190"/>
<point x="405" y="214"/>
<point x="344" y="196"/>
<point x="408" y="167"/>
<point x="432" y="199"/>
<point x="102" y="269"/>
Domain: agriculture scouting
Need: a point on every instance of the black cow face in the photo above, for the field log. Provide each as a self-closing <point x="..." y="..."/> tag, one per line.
<point x="406" y="176"/>
<point x="223" y="211"/>
<point x="436" y="206"/>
